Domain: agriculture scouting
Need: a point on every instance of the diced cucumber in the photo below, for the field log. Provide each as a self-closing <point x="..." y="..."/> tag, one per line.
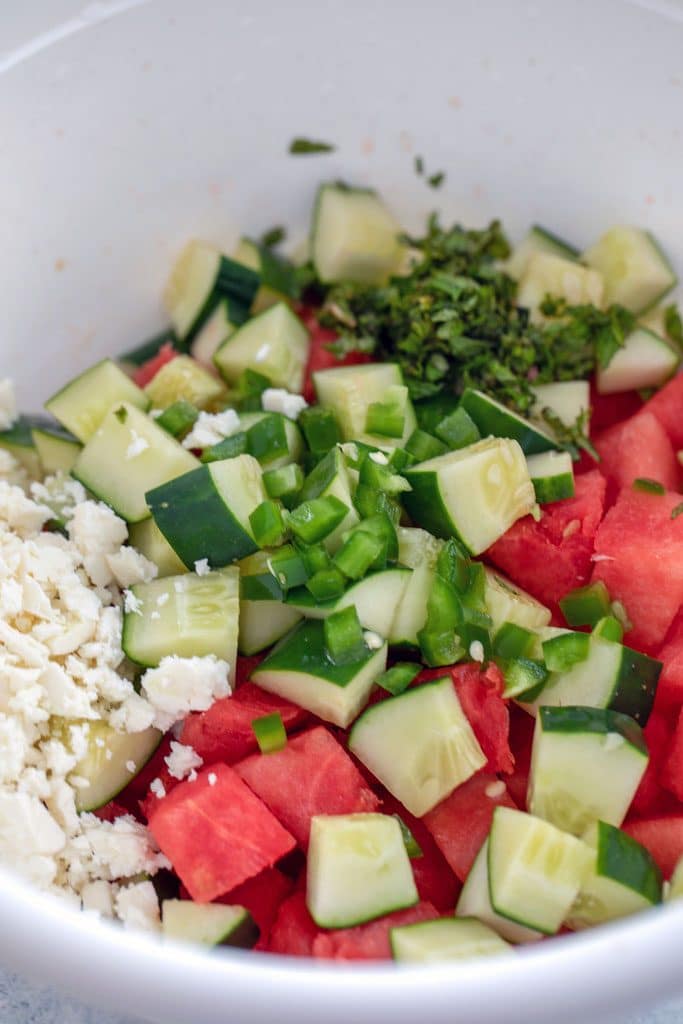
<point x="277" y="276"/>
<point x="147" y="538"/>
<point x="645" y="361"/>
<point x="623" y="880"/>
<point x="474" y="494"/>
<point x="418" y="550"/>
<point x="538" y="240"/>
<point x="260" y="441"/>
<point x="262" y="622"/>
<point x="274" y="343"/>
<point x="57" y="448"/>
<point x="358" y="869"/>
<point x="420" y="745"/>
<point x="475" y="902"/>
<point x="568" y="400"/>
<point x="546" y="274"/>
<point x="111" y="761"/>
<point x="227" y="493"/>
<point x="201" y="277"/>
<point x="450" y="938"/>
<point x="636" y="272"/>
<point x="183" y="379"/>
<point x="613" y="676"/>
<point x="535" y="870"/>
<point x="506" y="602"/>
<point x="216" y="329"/>
<point x="18" y="441"/>
<point x="128" y="455"/>
<point x="209" y="924"/>
<point x="586" y="765"/>
<point x="494" y="419"/>
<point x="187" y="616"/>
<point x="376" y="598"/>
<point x="331" y="478"/>
<point x="675" y="887"/>
<point x="299" y="669"/>
<point x="349" y="391"/>
<point x="552" y="475"/>
<point x="82" y="405"/>
<point x="353" y="236"/>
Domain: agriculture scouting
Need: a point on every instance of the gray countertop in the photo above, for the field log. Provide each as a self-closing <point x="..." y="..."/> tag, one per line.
<point x="24" y="1003"/>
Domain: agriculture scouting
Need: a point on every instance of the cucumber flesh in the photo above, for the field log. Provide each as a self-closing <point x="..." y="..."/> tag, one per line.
<point x="452" y="938"/>
<point x="354" y="237"/>
<point x="111" y="761"/>
<point x="376" y="599"/>
<point x="636" y="272"/>
<point x="18" y="441"/>
<point x="419" y="745"/>
<point x="349" y="390"/>
<point x="552" y="475"/>
<point x="83" y="404"/>
<point x="57" y="449"/>
<point x="215" y="330"/>
<point x="475" y="902"/>
<point x="418" y="550"/>
<point x="546" y="274"/>
<point x="506" y="602"/>
<point x="494" y="419"/>
<point x="201" y="277"/>
<point x="567" y="399"/>
<point x="538" y="240"/>
<point x="148" y="539"/>
<point x="263" y="622"/>
<point x="275" y="344"/>
<point x="209" y="924"/>
<point x="645" y="361"/>
<point x="586" y="765"/>
<point x="358" y="869"/>
<point x="182" y="379"/>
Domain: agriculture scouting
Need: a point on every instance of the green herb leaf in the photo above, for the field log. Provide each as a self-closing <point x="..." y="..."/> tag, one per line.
<point x="303" y="147"/>
<point x="676" y="512"/>
<point x="273" y="236"/>
<point x="436" y="180"/>
<point x="644" y="483"/>
<point x="419" y="165"/>
<point x="673" y="324"/>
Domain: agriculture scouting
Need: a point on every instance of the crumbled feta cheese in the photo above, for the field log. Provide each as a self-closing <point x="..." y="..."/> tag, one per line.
<point x="129" y="567"/>
<point x="279" y="400"/>
<point x="373" y="640"/>
<point x="182" y="760"/>
<point x="212" y="778"/>
<point x="29" y="837"/>
<point x="138" y="907"/>
<point x="477" y="651"/>
<point x="12" y="471"/>
<point x="137" y="446"/>
<point x="20" y="513"/>
<point x="202" y="567"/>
<point x="210" y="428"/>
<point x="98" y="897"/>
<point x="8" y="404"/>
<point x="96" y="531"/>
<point x="181" y="685"/>
<point x="157" y="787"/>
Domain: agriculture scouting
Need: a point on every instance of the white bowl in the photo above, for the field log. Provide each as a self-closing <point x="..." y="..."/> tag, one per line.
<point x="130" y="125"/>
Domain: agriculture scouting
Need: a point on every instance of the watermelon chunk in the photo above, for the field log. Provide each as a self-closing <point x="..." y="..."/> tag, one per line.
<point x="671" y="772"/>
<point x="148" y="371"/>
<point x="638" y="447"/>
<point x="651" y="797"/>
<point x="224" y="732"/>
<point x="369" y="941"/>
<point x="217" y="833"/>
<point x="639" y="557"/>
<point x="670" y="687"/>
<point x="606" y="410"/>
<point x="262" y="896"/>
<point x="553" y="556"/>
<point x="294" y="930"/>
<point x="666" y="405"/>
<point x="662" y="836"/>
<point x="319" y="355"/>
<point x="461" y="822"/>
<point x="522" y="727"/>
<point x="110" y="811"/>
<point x="312" y="775"/>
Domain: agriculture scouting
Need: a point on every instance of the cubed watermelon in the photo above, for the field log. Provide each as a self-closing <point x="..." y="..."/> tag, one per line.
<point x="137" y="790"/>
<point x="312" y="775"/>
<point x="369" y="941"/>
<point x="262" y="896"/>
<point x="522" y="727"/>
<point x="148" y="371"/>
<point x="435" y="881"/>
<point x="666" y="406"/>
<point x="606" y="410"/>
<point x="671" y="771"/>
<point x="639" y="557"/>
<point x="662" y="836"/>
<point x="110" y="811"/>
<point x="224" y="732"/>
<point x="651" y="797"/>
<point x="552" y="556"/>
<point x="670" y="687"/>
<point x="461" y="822"/>
<point x="294" y="930"/>
<point x="217" y="833"/>
<point x="319" y="355"/>
<point x="637" y="447"/>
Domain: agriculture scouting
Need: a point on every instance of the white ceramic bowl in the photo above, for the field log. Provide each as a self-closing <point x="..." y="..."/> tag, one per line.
<point x="130" y="125"/>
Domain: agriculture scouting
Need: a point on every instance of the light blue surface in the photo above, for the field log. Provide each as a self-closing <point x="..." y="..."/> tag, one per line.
<point x="25" y="1003"/>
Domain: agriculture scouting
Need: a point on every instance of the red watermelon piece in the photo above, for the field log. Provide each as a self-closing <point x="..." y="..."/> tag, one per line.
<point x="522" y="727"/>
<point x="262" y="897"/>
<point x="606" y="410"/>
<point x="650" y="797"/>
<point x="434" y="879"/>
<point x="312" y="775"/>
<point x="670" y="687"/>
<point x="550" y="557"/>
<point x="294" y="930"/>
<point x="319" y="355"/>
<point x="638" y="447"/>
<point x="137" y="790"/>
<point x="369" y="941"/>
<point x="666" y="405"/>
<point x="224" y="732"/>
<point x="671" y="761"/>
<point x="662" y="836"/>
<point x="110" y="811"/>
<point x="148" y="371"/>
<point x="217" y="833"/>
<point x="461" y="822"/>
<point x="639" y="557"/>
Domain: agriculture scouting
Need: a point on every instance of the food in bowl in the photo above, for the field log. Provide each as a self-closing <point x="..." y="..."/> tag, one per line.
<point x="314" y="607"/>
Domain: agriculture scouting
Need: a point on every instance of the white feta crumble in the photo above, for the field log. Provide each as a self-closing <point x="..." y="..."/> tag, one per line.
<point x="98" y="897"/>
<point x="181" y="685"/>
<point x="157" y="787"/>
<point x="282" y="401"/>
<point x="373" y="640"/>
<point x="137" y="906"/>
<point x="210" y="428"/>
<point x="212" y="778"/>
<point x="129" y="567"/>
<point x="137" y="446"/>
<point x="132" y="605"/>
<point x="96" y="531"/>
<point x="201" y="567"/>
<point x="182" y="760"/>
<point x="8" y="404"/>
